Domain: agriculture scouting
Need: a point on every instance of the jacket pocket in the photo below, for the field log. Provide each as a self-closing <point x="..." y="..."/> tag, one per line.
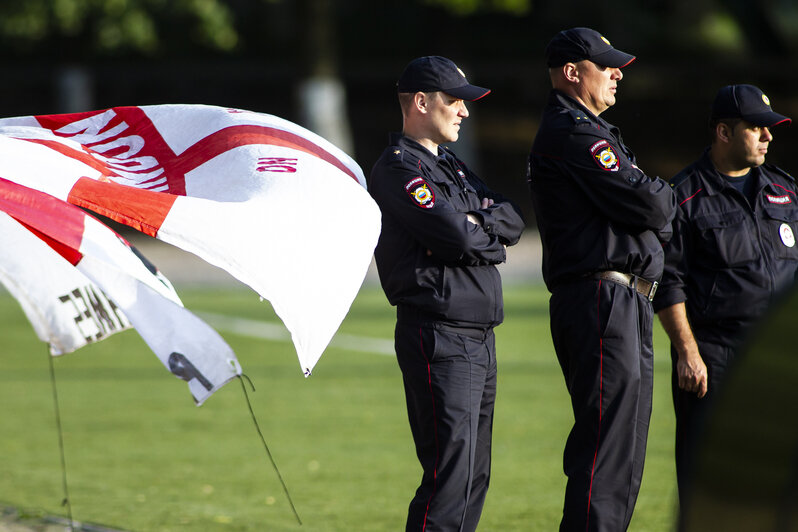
<point x="781" y="223"/>
<point x="726" y="239"/>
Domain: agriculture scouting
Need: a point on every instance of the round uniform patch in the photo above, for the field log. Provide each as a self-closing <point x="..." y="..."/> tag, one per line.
<point x="421" y="193"/>
<point x="787" y="236"/>
<point x="605" y="156"/>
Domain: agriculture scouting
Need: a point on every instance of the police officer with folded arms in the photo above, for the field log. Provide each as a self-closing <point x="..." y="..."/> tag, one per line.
<point x="602" y="222"/>
<point x="732" y="253"/>
<point x="443" y="232"/>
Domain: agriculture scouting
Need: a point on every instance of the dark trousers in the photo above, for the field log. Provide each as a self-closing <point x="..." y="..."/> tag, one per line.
<point x="450" y="386"/>
<point x="691" y="413"/>
<point x="602" y="333"/>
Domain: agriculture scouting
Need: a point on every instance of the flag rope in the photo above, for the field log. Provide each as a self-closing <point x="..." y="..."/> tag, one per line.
<point x="65" y="502"/>
<point x="265" y="446"/>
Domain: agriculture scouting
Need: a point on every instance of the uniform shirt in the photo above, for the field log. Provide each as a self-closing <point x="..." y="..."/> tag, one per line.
<point x="729" y="257"/>
<point x="596" y="210"/>
<point x="429" y="256"/>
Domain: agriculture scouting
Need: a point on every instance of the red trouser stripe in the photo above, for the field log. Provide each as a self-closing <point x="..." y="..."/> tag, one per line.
<point x="435" y="429"/>
<point x="601" y="395"/>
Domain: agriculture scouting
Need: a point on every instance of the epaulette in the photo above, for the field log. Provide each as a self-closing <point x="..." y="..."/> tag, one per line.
<point x="395" y="153"/>
<point x="779" y="171"/>
<point x="579" y="117"/>
<point x="678" y="179"/>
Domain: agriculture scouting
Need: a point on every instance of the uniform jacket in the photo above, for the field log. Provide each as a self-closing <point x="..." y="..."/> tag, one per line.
<point x="429" y="256"/>
<point x="596" y="210"/>
<point x="728" y="258"/>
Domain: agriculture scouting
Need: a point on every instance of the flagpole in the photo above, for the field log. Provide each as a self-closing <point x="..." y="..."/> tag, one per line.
<point x="66" y="502"/>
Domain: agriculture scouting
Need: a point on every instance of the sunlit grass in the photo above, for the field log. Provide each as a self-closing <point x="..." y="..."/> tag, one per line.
<point x="141" y="456"/>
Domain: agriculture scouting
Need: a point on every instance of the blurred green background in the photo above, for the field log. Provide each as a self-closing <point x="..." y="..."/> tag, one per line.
<point x="341" y="437"/>
<point x="331" y="65"/>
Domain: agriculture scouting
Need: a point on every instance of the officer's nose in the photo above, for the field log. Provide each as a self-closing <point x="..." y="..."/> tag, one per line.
<point x="766" y="135"/>
<point x="617" y="74"/>
<point x="463" y="110"/>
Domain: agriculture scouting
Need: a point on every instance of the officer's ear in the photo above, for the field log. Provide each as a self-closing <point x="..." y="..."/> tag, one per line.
<point x="570" y="72"/>
<point x="723" y="132"/>
<point x="421" y="102"/>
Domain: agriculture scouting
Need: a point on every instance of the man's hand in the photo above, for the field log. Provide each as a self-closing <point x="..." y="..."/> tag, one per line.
<point x="690" y="368"/>
<point x="486" y="202"/>
<point x="692" y="373"/>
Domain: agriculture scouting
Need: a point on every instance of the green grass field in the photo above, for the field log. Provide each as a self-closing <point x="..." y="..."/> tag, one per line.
<point x="140" y="455"/>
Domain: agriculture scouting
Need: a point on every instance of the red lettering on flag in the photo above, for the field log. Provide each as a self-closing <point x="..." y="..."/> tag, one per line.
<point x="277" y="164"/>
<point x="177" y="166"/>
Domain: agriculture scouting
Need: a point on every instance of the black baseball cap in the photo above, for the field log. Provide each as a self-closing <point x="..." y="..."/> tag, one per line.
<point x="746" y="102"/>
<point x="435" y="73"/>
<point x="578" y="44"/>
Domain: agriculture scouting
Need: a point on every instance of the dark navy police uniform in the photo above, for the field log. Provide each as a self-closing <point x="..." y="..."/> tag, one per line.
<point x="602" y="222"/>
<point x="728" y="259"/>
<point x="439" y="270"/>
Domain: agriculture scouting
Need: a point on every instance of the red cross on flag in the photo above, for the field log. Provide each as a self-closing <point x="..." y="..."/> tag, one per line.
<point x="278" y="207"/>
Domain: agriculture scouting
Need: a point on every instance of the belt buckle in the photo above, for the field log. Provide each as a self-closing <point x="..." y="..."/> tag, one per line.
<point x="653" y="290"/>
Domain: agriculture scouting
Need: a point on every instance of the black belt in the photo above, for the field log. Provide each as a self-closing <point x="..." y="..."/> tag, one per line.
<point x="646" y="288"/>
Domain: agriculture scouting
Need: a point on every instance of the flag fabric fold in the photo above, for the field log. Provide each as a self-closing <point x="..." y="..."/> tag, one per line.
<point x="78" y="282"/>
<point x="278" y="207"/>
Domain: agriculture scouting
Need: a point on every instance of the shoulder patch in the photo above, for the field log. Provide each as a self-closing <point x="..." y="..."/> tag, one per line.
<point x="420" y="192"/>
<point x="604" y="155"/>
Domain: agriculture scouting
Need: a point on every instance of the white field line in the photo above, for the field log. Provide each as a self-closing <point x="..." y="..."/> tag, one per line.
<point x="277" y="332"/>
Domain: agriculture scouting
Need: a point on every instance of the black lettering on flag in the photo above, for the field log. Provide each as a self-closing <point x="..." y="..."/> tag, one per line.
<point x="182" y="367"/>
<point x="82" y="312"/>
<point x="93" y="307"/>
<point x="121" y="318"/>
<point x="99" y="303"/>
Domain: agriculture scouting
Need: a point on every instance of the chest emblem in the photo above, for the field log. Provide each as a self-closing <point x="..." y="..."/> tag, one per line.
<point x="787" y="236"/>
<point x="421" y="193"/>
<point x="781" y="200"/>
<point x="605" y="156"/>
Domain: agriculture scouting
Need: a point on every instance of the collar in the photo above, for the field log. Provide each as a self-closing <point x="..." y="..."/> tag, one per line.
<point x="417" y="150"/>
<point x="714" y="181"/>
<point x="558" y="98"/>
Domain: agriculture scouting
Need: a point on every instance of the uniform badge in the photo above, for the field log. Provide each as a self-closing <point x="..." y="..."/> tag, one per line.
<point x="605" y="156"/>
<point x="781" y="200"/>
<point x="421" y="193"/>
<point x="787" y="236"/>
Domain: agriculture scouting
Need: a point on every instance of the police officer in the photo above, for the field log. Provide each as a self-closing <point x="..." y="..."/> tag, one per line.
<point x="602" y="222"/>
<point x="733" y="250"/>
<point x="443" y="232"/>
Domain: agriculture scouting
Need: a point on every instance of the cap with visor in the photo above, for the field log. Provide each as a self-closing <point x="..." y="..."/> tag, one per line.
<point x="435" y="73"/>
<point x="748" y="103"/>
<point x="578" y="44"/>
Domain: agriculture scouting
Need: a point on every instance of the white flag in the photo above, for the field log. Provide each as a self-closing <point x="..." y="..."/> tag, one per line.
<point x="65" y="308"/>
<point x="79" y="281"/>
<point x="275" y="205"/>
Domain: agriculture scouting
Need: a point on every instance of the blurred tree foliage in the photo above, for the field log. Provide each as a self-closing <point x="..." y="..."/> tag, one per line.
<point x="111" y="26"/>
<point x="84" y="29"/>
<point x="469" y="7"/>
